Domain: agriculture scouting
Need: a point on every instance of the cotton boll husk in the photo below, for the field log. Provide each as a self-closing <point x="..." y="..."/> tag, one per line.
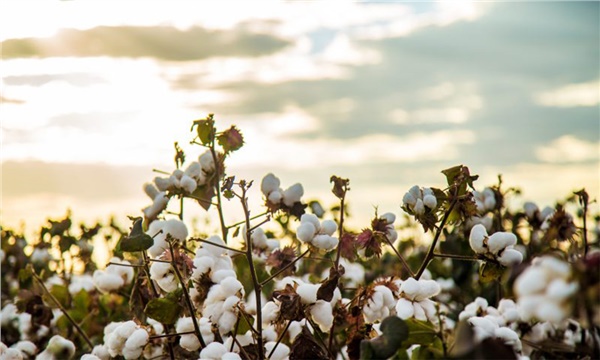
<point x="188" y="184"/>
<point x="419" y="207"/>
<point x="150" y="190"/>
<point x="207" y="162"/>
<point x="214" y="351"/>
<point x="558" y="290"/>
<point x="476" y="238"/>
<point x="281" y="352"/>
<point x="220" y="275"/>
<point x="510" y="257"/>
<point x="322" y="314"/>
<point x="404" y="309"/>
<point x="308" y="293"/>
<point x="269" y="184"/>
<point x="305" y="232"/>
<point x="410" y="287"/>
<point x="533" y="280"/>
<point x="325" y="242"/>
<point x="430" y="201"/>
<point x="163" y="184"/>
<point x="500" y="240"/>
<point x="388" y="217"/>
<point x="427" y="289"/>
<point x="328" y="227"/>
<point x="293" y="194"/>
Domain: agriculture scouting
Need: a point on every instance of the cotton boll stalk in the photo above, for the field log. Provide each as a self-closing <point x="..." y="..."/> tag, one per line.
<point x="293" y="194"/>
<point x="269" y="184"/>
<point x="477" y="237"/>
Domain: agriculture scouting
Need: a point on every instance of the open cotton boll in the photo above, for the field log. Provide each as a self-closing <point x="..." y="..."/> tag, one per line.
<point x="325" y="242"/>
<point x="270" y="312"/>
<point x="168" y="283"/>
<point x="106" y="282"/>
<point x="476" y="238"/>
<point x="194" y="170"/>
<point x="293" y="194"/>
<point x="328" y="227"/>
<point x="231" y="356"/>
<point x="207" y="162"/>
<point x="531" y="281"/>
<point x="281" y="352"/>
<point x="306" y="231"/>
<point x="158" y="205"/>
<point x="419" y="207"/>
<point x="188" y="184"/>
<point x="500" y="240"/>
<point x="404" y="309"/>
<point x="509" y="337"/>
<point x="559" y="290"/>
<point x="227" y="321"/>
<point x="483" y="327"/>
<point x="430" y="201"/>
<point x="60" y="347"/>
<point x="163" y="184"/>
<point x="388" y="217"/>
<point x="259" y="238"/>
<point x="510" y="257"/>
<point x="308" y="292"/>
<point x="322" y="314"/>
<point x="176" y="228"/>
<point x="212" y="249"/>
<point x="150" y="190"/>
<point x="89" y="357"/>
<point x="159" y="270"/>
<point x="231" y="286"/>
<point x="410" y="287"/>
<point x="427" y="289"/>
<point x="26" y="347"/>
<point x="15" y="354"/>
<point x="219" y="275"/>
<point x="135" y="344"/>
<point x="214" y="351"/>
<point x="269" y="184"/>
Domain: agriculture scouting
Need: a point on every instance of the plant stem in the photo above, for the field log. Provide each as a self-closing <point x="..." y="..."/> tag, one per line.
<point x="218" y="245"/>
<point x="585" y="235"/>
<point x="279" y="339"/>
<point x="341" y="231"/>
<point x="284" y="268"/>
<point x="456" y="257"/>
<point x="402" y="260"/>
<point x="244" y="221"/>
<point x="438" y="232"/>
<point x="171" y="335"/>
<point x="218" y="190"/>
<point x="256" y="283"/>
<point x="62" y="309"/>
<point x="187" y="297"/>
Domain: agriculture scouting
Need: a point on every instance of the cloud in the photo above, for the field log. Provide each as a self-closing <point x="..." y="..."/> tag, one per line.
<point x="568" y="149"/>
<point x="166" y="43"/>
<point x="573" y="95"/>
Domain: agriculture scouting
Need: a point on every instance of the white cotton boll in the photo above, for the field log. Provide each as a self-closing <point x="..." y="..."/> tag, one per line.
<point x="506" y="304"/>
<point x="550" y="311"/>
<point x="8" y="314"/>
<point x="559" y="290"/>
<point x="305" y="232"/>
<point x="26" y="347"/>
<point x="58" y="345"/>
<point x="272" y="244"/>
<point x="230" y="303"/>
<point x="231" y="286"/>
<point x="194" y="170"/>
<point x="150" y="190"/>
<point x="392" y="235"/>
<point x="176" y="228"/>
<point x="510" y="257"/>
<point x="546" y="212"/>
<point x="404" y="309"/>
<point x="259" y="238"/>
<point x="410" y="287"/>
<point x="530" y="209"/>
<point x="160" y="203"/>
<point x="509" y="337"/>
<point x="231" y="356"/>
<point x="126" y="329"/>
<point x="388" y="217"/>
<point x="281" y="352"/>
<point x="163" y="184"/>
<point x="81" y="282"/>
<point x="175" y="181"/>
<point x="269" y="184"/>
<point x="477" y="237"/>
<point x="125" y="271"/>
<point x="483" y="327"/>
<point x="269" y="333"/>
<point x="188" y="184"/>
<point x="325" y="242"/>
<point x="409" y="199"/>
<point x="430" y="201"/>
<point x="419" y="207"/>
<point x="89" y="357"/>
<point x="168" y="283"/>
<point x="159" y="270"/>
<point x="419" y="312"/>
<point x="227" y="321"/>
<point x="132" y="353"/>
<point x="429" y="309"/>
<point x="427" y="289"/>
<point x="189" y="342"/>
<point x="308" y="293"/>
<point x="558" y="268"/>
<point x="270" y="312"/>
<point x="387" y="296"/>
<point x="501" y="240"/>
<point x="215" y="250"/>
<point x="220" y="275"/>
<point x="534" y="279"/>
<point x="184" y="324"/>
<point x="293" y="194"/>
<point x="202" y="265"/>
<point x="15" y="354"/>
<point x="275" y="197"/>
<point x="207" y="162"/>
<point x="106" y="282"/>
<point x="328" y="227"/>
<point x="137" y="340"/>
<point x="322" y="314"/>
<point x="528" y="306"/>
<point x="312" y="219"/>
<point x="206" y="330"/>
<point x="214" y="351"/>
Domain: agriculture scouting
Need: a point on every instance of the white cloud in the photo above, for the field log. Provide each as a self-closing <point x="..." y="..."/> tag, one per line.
<point x="573" y="95"/>
<point x="568" y="148"/>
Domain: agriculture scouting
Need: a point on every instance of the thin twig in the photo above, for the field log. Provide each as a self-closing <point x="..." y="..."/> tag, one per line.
<point x="456" y="257"/>
<point x="402" y="260"/>
<point x="218" y="245"/>
<point x="62" y="309"/>
<point x="284" y="268"/>
<point x="213" y="152"/>
<point x="171" y="335"/>
<point x="244" y="221"/>
<point x="279" y="339"/>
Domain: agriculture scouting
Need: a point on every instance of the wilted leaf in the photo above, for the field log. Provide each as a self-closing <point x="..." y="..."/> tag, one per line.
<point x="140" y="296"/>
<point x="340" y="186"/>
<point x="137" y="240"/>
<point x="231" y="139"/>
<point x="327" y="288"/>
<point x="291" y="304"/>
<point x="306" y="347"/>
<point x="204" y="195"/>
<point x="163" y="310"/>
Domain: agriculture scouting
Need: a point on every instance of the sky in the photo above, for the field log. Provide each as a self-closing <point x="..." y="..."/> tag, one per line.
<point x="387" y="94"/>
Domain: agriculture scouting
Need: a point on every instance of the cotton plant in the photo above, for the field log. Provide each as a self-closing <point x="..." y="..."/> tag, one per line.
<point x="261" y="244"/>
<point x="127" y="339"/>
<point x="159" y="230"/>
<point x="58" y="348"/>
<point x="190" y="342"/>
<point x="17" y="351"/>
<point x="419" y="199"/>
<point x="486" y="327"/>
<point x="414" y="300"/>
<point x="545" y="290"/>
<point x="221" y="303"/>
<point x="116" y="275"/>
<point x="380" y="303"/>
<point x="212" y="261"/>
<point x="218" y="351"/>
<point x="498" y="246"/>
<point x="317" y="233"/>
<point x="164" y="275"/>
<point x="276" y="197"/>
<point x="485" y="200"/>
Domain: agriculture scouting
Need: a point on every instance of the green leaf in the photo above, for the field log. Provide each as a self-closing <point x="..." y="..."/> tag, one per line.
<point x="420" y="332"/>
<point x="204" y="195"/>
<point x="137" y="240"/>
<point x="205" y="129"/>
<point x="243" y="325"/>
<point x="61" y="293"/>
<point x="395" y="331"/>
<point x="489" y="272"/>
<point x="163" y="310"/>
